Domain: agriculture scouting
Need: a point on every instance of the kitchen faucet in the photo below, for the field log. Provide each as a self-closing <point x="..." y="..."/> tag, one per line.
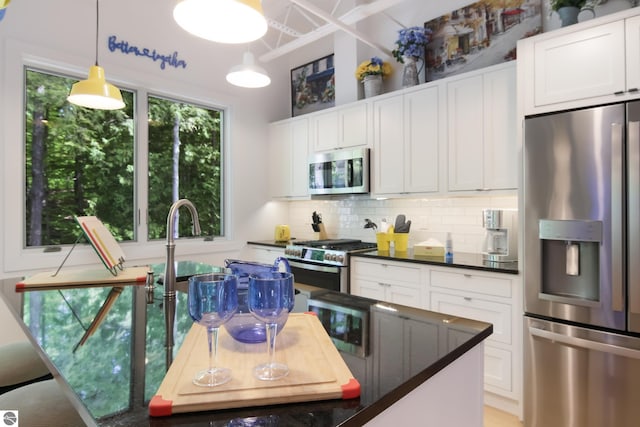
<point x="170" y="272"/>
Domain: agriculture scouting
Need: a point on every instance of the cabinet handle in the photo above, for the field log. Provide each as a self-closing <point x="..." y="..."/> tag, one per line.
<point x="619" y="92"/>
<point x="468" y="299"/>
<point x="633" y="89"/>
<point x="468" y="276"/>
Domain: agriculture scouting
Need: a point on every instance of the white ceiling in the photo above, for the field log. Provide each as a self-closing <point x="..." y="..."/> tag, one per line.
<point x="296" y="23"/>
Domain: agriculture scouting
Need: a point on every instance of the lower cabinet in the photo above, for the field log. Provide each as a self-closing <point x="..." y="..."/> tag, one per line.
<point x="490" y="297"/>
<point x="263" y="254"/>
<point x="495" y="299"/>
<point x="408" y="348"/>
<point x="394" y="282"/>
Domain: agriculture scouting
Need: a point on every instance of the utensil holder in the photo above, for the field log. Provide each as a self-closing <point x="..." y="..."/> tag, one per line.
<point x="401" y="241"/>
<point x="383" y="240"/>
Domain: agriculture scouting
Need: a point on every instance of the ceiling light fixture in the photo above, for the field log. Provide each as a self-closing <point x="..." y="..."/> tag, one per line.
<point x="95" y="92"/>
<point x="222" y="21"/>
<point x="248" y="74"/>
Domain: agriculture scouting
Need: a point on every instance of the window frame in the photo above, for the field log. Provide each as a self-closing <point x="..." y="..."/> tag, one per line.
<point x="18" y="257"/>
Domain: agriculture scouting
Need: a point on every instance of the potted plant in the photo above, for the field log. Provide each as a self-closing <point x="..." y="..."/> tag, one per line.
<point x="409" y="49"/>
<point x="371" y="73"/>
<point x="568" y="10"/>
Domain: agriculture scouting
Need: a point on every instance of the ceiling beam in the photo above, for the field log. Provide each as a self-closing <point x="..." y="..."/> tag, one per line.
<point x="334" y="24"/>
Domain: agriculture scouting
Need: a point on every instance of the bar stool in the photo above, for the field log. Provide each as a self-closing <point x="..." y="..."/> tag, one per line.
<point x="41" y="404"/>
<point x="20" y="365"/>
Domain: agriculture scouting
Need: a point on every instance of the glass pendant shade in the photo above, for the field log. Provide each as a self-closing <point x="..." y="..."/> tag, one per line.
<point x="95" y="92"/>
<point x="222" y="21"/>
<point x="248" y="74"/>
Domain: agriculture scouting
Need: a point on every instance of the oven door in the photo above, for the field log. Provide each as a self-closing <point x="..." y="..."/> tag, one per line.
<point x="330" y="277"/>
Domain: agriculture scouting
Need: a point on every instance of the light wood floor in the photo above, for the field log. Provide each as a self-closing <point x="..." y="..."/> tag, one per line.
<point x="496" y="418"/>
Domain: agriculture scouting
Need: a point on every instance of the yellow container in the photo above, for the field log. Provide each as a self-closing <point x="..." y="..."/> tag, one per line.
<point x="401" y="241"/>
<point x="383" y="242"/>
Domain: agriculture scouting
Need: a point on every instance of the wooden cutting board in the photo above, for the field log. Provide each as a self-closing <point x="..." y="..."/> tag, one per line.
<point x="316" y="371"/>
<point x="83" y="278"/>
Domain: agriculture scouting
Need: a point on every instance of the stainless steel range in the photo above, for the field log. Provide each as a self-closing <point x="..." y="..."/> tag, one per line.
<point x="324" y="263"/>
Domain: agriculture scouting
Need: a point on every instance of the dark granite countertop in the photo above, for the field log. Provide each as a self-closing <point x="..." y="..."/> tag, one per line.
<point x="119" y="368"/>
<point x="460" y="260"/>
<point x="471" y="261"/>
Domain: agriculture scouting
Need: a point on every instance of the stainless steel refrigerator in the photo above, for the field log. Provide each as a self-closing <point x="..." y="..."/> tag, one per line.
<point x="582" y="268"/>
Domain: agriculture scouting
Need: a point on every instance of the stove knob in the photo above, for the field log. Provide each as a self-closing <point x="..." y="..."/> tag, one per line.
<point x="340" y="259"/>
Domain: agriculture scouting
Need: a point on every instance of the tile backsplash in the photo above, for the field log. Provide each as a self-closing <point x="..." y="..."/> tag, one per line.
<point x="430" y="218"/>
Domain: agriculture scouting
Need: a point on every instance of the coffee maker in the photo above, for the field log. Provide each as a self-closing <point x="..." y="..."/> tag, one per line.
<point x="500" y="239"/>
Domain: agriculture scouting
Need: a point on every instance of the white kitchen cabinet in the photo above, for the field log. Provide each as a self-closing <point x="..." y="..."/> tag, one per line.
<point x="390" y="281"/>
<point x="341" y="127"/>
<point x="591" y="63"/>
<point x="263" y="254"/>
<point x="481" y="130"/>
<point x="288" y="154"/>
<point x="406" y="142"/>
<point x="493" y="298"/>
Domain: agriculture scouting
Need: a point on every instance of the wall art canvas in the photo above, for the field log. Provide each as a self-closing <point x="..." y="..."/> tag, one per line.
<point x="313" y="86"/>
<point x="481" y="34"/>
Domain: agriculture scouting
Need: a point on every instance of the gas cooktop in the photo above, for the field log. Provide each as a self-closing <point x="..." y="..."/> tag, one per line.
<point x="330" y="251"/>
<point x="346" y="245"/>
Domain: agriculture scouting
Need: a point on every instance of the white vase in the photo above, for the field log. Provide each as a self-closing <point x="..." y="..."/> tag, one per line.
<point x="409" y="72"/>
<point x="372" y="85"/>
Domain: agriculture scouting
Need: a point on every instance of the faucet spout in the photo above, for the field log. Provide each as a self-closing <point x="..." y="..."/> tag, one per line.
<point x="170" y="272"/>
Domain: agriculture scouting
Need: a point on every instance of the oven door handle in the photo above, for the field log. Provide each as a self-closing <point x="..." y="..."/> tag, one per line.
<point x="315" y="267"/>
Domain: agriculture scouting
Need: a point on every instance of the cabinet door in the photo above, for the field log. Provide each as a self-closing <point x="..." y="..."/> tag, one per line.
<point x="580" y="65"/>
<point x="632" y="28"/>
<point x="280" y="160"/>
<point x="401" y="294"/>
<point x="265" y="254"/>
<point x="419" y="348"/>
<point x="388" y="156"/>
<point x="465" y="126"/>
<point x="368" y="289"/>
<point x="422" y="136"/>
<point x="500" y="168"/>
<point x="388" y="369"/>
<point x="299" y="146"/>
<point x="325" y="130"/>
<point x="353" y="125"/>
<point x="496" y="313"/>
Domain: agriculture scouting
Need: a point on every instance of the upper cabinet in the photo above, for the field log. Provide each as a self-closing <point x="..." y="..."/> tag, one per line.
<point x="406" y="142"/>
<point x="289" y="153"/>
<point x="594" y="62"/>
<point x="341" y="127"/>
<point x="481" y="130"/>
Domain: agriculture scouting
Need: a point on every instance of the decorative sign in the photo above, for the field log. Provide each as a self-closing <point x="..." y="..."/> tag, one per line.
<point x="126" y="48"/>
<point x="481" y="34"/>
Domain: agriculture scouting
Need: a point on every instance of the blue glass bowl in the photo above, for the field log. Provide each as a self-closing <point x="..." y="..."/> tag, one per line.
<point x="244" y="326"/>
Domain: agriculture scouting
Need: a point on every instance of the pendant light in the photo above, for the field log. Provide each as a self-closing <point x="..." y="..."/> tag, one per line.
<point x="95" y="92"/>
<point x="222" y="21"/>
<point x="248" y="74"/>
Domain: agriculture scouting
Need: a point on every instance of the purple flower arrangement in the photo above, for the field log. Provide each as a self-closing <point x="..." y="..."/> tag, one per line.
<point x="411" y="42"/>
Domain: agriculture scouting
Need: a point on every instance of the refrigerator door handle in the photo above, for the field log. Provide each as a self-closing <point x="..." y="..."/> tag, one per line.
<point x="584" y="343"/>
<point x="617" y="284"/>
<point x="633" y="215"/>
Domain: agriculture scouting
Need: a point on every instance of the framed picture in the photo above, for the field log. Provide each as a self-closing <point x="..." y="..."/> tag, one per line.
<point x="313" y="86"/>
<point x="479" y="35"/>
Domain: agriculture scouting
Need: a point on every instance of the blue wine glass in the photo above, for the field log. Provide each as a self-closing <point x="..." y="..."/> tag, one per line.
<point x="271" y="297"/>
<point x="212" y="299"/>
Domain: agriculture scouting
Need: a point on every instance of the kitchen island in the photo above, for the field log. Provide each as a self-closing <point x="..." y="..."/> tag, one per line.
<point x="114" y="374"/>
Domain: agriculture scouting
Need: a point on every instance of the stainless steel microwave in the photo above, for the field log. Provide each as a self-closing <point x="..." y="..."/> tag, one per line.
<point x="339" y="172"/>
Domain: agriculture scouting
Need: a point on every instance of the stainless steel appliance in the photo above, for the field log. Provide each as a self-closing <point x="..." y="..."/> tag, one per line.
<point x="346" y="320"/>
<point x="500" y="235"/>
<point x="324" y="263"/>
<point x="582" y="267"/>
<point x="339" y="172"/>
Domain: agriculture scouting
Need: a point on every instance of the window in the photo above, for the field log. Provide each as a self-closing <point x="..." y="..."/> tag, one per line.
<point x="80" y="161"/>
<point x="184" y="162"/>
